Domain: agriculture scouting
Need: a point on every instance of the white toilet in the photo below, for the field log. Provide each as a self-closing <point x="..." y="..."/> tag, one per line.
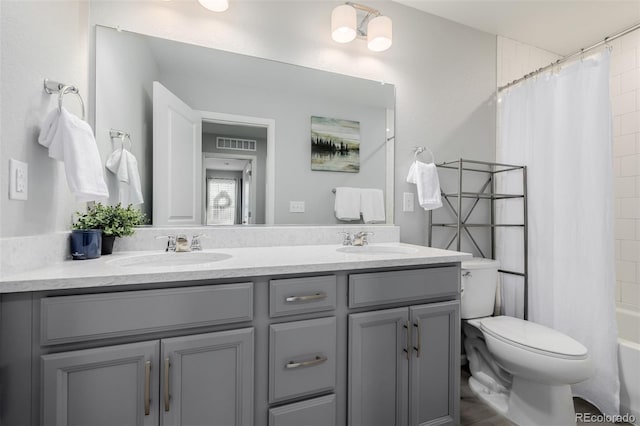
<point x="522" y="369"/>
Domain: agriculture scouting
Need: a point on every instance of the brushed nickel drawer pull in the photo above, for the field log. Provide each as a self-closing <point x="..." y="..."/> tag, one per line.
<point x="147" y="387"/>
<point x="407" y="350"/>
<point x="417" y="349"/>
<point x="167" y="364"/>
<point x="306" y="298"/>
<point x="317" y="360"/>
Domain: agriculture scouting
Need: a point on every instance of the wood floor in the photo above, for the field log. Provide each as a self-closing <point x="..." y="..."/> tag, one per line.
<point x="475" y="412"/>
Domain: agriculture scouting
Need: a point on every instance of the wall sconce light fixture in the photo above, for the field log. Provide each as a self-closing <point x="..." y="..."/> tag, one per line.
<point x="374" y="27"/>
<point x="215" y="5"/>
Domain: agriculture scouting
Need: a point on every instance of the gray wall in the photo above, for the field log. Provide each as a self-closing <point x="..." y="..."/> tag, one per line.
<point x="444" y="73"/>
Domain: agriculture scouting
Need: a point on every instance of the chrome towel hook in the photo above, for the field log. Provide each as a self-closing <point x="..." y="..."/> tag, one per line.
<point x="419" y="150"/>
<point x="52" y="87"/>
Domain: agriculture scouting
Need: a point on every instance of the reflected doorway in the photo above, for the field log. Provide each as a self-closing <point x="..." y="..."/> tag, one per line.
<point x="234" y="165"/>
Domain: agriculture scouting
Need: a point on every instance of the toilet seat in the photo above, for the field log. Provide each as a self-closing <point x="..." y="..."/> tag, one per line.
<point x="533" y="337"/>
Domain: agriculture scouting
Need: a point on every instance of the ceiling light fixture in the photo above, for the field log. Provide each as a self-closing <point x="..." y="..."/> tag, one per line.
<point x="215" y="5"/>
<point x="373" y="27"/>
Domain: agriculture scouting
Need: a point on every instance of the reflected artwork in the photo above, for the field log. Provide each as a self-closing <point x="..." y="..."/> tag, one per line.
<point x="335" y="145"/>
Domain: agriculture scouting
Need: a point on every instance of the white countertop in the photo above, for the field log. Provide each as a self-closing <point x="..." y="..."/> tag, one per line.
<point x="244" y="262"/>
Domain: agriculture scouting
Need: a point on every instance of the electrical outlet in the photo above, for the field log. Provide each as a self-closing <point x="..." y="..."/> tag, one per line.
<point x="18" y="180"/>
<point x="407" y="202"/>
<point x="296" y="206"/>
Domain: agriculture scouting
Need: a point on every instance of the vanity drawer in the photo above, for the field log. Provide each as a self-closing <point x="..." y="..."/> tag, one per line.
<point x="380" y="288"/>
<point x="312" y="412"/>
<point x="301" y="295"/>
<point x="66" y="319"/>
<point x="302" y="358"/>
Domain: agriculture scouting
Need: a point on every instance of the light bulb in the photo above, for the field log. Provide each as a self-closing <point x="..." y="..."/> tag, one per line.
<point x="379" y="33"/>
<point x="343" y="23"/>
<point x="215" y="5"/>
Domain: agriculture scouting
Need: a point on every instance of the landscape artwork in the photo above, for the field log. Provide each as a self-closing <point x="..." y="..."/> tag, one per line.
<point x="335" y="145"/>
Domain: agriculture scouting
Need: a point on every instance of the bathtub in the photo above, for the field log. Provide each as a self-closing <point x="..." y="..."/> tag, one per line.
<point x="629" y="361"/>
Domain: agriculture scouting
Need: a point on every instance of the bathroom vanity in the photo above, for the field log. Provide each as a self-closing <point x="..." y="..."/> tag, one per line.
<point x="270" y="336"/>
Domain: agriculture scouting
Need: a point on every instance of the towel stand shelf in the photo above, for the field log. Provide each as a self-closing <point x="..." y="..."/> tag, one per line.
<point x="51" y="87"/>
<point x="487" y="192"/>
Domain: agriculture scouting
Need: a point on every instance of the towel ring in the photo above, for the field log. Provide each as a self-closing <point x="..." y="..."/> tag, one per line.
<point x="70" y="89"/>
<point x="420" y="149"/>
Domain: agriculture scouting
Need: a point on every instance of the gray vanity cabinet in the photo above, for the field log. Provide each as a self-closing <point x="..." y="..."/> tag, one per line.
<point x="109" y="386"/>
<point x="204" y="379"/>
<point x="403" y="362"/>
<point x="434" y="377"/>
<point x="207" y="379"/>
<point x="378" y="368"/>
<point x="402" y="366"/>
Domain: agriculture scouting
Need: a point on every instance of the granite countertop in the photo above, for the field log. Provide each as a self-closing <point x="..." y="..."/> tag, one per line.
<point x="120" y="268"/>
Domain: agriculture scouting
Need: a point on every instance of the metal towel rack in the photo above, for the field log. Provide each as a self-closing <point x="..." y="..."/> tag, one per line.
<point x="62" y="89"/>
<point x="113" y="133"/>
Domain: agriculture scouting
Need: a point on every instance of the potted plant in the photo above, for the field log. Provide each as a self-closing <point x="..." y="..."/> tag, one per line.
<point x="113" y="221"/>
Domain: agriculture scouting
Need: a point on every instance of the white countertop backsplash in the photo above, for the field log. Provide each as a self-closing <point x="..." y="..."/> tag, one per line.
<point x="20" y="254"/>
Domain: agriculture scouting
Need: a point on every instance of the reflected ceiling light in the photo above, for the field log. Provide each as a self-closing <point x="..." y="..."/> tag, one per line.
<point x="373" y="27"/>
<point x="215" y="5"/>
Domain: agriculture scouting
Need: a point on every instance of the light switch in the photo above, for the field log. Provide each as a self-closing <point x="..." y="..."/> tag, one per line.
<point x="18" y="180"/>
<point x="407" y="202"/>
<point x="296" y="206"/>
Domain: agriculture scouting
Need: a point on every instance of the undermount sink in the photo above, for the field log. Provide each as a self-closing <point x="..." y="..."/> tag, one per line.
<point x="373" y="250"/>
<point x="162" y="260"/>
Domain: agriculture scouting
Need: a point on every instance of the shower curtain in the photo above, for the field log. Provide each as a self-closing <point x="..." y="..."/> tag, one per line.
<point x="559" y="125"/>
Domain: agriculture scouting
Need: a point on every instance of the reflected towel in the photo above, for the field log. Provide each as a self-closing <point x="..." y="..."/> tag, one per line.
<point x="372" y="205"/>
<point x="71" y="140"/>
<point x="124" y="165"/>
<point x="425" y="176"/>
<point x="347" y="203"/>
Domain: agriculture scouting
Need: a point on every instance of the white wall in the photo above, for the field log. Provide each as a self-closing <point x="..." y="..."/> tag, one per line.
<point x="40" y="39"/>
<point x="516" y="59"/>
<point x="444" y="73"/>
<point x="625" y="103"/>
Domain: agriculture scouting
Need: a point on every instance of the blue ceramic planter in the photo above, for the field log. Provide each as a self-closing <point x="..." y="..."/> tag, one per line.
<point x="86" y="244"/>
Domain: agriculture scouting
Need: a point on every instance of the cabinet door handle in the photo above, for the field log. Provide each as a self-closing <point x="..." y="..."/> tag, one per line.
<point x="306" y="298"/>
<point x="417" y="349"/>
<point x="147" y="387"/>
<point x="407" y="350"/>
<point x="298" y="364"/>
<point x="167" y="364"/>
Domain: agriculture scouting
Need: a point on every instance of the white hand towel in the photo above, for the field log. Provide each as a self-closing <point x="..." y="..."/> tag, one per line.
<point x="425" y="176"/>
<point x="71" y="140"/>
<point x="124" y="165"/>
<point x="347" y="203"/>
<point x="372" y="205"/>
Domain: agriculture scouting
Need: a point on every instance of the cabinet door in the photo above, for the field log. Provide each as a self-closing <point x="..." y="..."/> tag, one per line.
<point x="207" y="379"/>
<point x="434" y="370"/>
<point x="378" y="368"/>
<point x="116" y="385"/>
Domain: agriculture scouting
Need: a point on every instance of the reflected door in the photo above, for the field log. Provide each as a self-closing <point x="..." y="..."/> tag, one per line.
<point x="177" y="160"/>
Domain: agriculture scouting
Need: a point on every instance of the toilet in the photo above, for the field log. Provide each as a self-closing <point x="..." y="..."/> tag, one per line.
<point x="522" y="369"/>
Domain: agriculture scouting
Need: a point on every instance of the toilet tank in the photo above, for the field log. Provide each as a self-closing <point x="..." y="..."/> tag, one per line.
<point x="479" y="282"/>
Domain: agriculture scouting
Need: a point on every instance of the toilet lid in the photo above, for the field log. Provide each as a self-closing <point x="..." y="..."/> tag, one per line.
<point x="533" y="336"/>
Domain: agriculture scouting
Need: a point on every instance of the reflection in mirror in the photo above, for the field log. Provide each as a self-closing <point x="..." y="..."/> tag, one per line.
<point x="239" y="150"/>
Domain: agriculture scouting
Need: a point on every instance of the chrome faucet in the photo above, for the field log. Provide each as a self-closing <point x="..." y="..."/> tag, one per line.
<point x="171" y="242"/>
<point x="361" y="238"/>
<point x="356" y="239"/>
<point x="195" y="243"/>
<point x="182" y="243"/>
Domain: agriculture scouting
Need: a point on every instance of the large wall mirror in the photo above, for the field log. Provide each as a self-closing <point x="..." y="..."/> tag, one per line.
<point x="225" y="139"/>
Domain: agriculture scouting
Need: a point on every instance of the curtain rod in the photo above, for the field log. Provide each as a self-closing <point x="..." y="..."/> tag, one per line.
<point x="566" y="58"/>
